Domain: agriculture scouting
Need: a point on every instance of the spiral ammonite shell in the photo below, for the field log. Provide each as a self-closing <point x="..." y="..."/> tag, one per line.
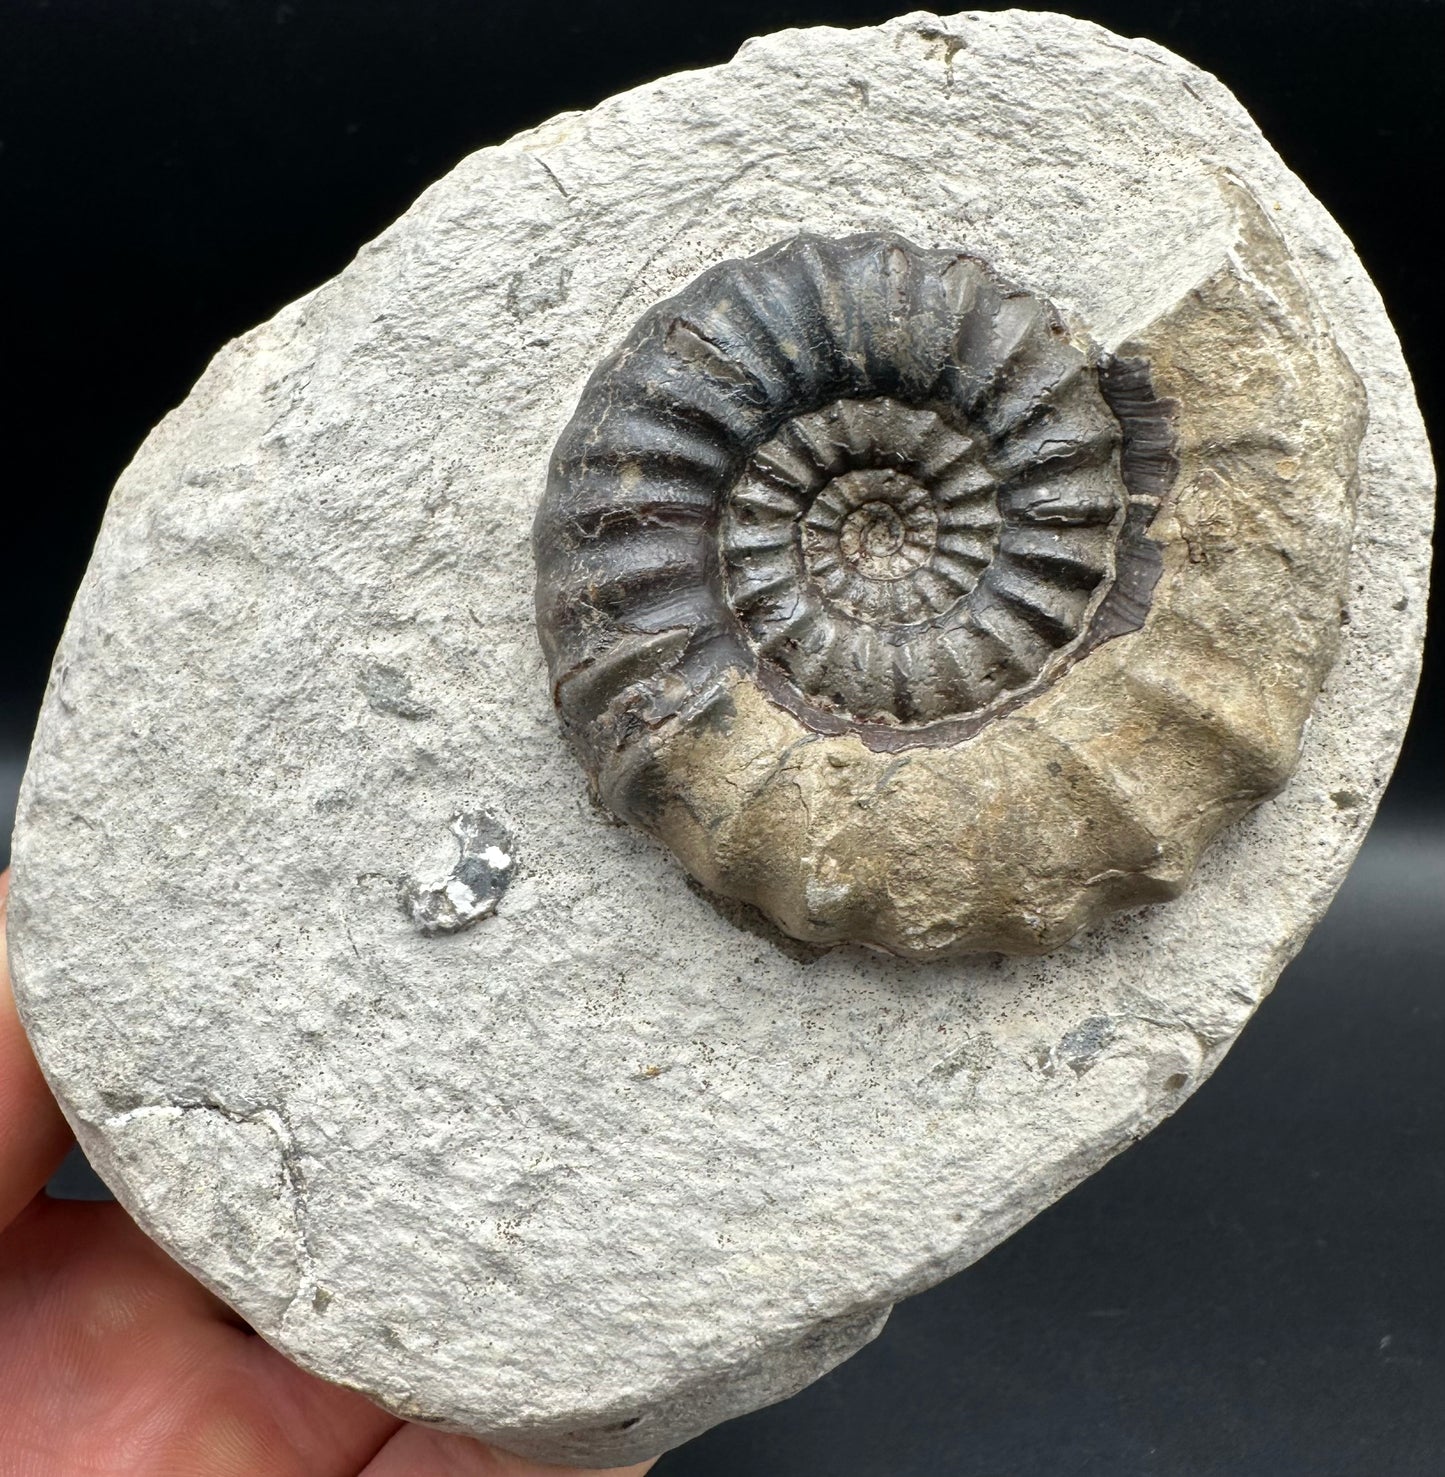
<point x="828" y="537"/>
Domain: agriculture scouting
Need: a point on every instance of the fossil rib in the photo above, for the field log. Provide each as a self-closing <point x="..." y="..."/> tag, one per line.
<point x="843" y="539"/>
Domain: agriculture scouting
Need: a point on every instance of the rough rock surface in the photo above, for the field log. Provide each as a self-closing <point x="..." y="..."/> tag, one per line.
<point x="609" y="1164"/>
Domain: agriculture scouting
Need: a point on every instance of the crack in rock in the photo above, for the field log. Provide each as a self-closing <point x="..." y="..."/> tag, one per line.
<point x="274" y="1121"/>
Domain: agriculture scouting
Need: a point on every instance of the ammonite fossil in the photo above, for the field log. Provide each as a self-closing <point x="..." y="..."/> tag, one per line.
<point x="862" y="586"/>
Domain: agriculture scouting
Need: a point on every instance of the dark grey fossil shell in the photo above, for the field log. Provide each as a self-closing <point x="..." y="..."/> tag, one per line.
<point x="835" y="551"/>
<point x="881" y="480"/>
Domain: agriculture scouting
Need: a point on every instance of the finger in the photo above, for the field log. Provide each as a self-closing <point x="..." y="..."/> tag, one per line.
<point x="416" y="1451"/>
<point x="33" y="1134"/>
<point x="115" y="1361"/>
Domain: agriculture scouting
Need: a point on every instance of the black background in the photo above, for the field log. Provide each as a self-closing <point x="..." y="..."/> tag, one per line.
<point x="1259" y="1287"/>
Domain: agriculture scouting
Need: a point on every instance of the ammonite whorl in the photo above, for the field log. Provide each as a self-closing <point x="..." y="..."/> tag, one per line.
<point x="825" y="552"/>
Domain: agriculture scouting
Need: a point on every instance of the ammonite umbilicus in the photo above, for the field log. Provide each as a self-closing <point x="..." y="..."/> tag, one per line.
<point x="856" y="590"/>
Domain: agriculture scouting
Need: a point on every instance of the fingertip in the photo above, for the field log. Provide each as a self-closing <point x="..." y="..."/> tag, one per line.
<point x="33" y="1132"/>
<point x="416" y="1451"/>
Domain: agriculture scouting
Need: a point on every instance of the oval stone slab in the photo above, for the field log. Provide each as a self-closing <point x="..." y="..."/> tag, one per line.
<point x="457" y="1091"/>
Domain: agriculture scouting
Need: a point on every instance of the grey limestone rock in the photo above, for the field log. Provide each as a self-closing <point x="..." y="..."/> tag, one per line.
<point x="451" y="1086"/>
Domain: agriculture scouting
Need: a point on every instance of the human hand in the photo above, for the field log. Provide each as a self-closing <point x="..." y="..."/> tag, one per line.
<point x="114" y="1362"/>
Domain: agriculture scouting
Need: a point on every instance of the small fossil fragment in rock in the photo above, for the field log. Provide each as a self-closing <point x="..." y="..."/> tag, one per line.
<point x="452" y="891"/>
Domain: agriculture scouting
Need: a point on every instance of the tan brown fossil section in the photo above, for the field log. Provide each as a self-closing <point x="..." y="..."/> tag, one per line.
<point x="1101" y="793"/>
